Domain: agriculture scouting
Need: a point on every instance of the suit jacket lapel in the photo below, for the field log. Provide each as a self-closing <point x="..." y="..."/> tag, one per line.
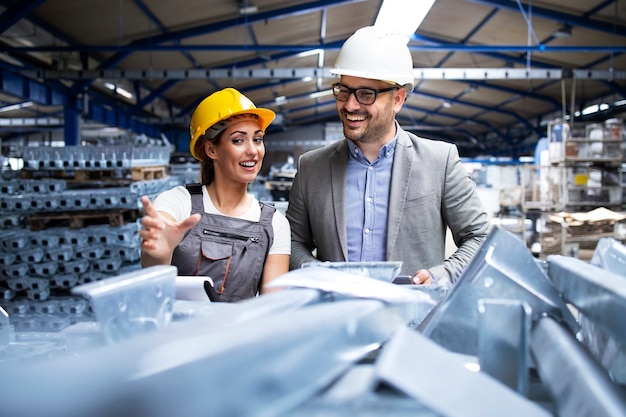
<point x="338" y="169"/>
<point x="400" y="175"/>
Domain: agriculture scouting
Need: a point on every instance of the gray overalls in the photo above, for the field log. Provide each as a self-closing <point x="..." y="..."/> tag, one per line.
<point x="229" y="250"/>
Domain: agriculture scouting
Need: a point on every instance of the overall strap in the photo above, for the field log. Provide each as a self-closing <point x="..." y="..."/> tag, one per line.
<point x="267" y="213"/>
<point x="197" y="205"/>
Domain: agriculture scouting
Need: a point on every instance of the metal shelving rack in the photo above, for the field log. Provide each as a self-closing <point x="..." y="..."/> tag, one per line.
<point x="583" y="172"/>
<point x="587" y="162"/>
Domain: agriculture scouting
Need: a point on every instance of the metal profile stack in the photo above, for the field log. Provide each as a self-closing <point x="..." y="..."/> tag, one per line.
<point x="72" y="218"/>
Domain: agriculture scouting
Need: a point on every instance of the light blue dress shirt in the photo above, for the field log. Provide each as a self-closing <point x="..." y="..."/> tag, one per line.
<point x="367" y="203"/>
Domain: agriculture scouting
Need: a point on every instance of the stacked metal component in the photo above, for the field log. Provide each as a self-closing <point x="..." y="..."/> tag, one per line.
<point x="23" y="196"/>
<point x="546" y="337"/>
<point x="58" y="232"/>
<point x="38" y="265"/>
<point x="94" y="157"/>
<point x="40" y="268"/>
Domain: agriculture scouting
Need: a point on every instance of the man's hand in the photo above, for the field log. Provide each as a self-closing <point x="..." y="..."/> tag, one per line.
<point x="422" y="277"/>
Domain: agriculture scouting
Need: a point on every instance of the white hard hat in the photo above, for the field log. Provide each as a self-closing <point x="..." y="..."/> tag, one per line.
<point x="378" y="55"/>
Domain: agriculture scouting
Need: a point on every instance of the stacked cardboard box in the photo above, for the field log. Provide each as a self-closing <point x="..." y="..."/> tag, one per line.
<point x="577" y="234"/>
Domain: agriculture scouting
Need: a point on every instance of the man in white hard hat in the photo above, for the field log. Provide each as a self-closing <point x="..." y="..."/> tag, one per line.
<point x="383" y="194"/>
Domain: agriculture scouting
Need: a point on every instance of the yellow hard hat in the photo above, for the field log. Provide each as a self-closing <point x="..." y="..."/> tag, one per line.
<point x="218" y="107"/>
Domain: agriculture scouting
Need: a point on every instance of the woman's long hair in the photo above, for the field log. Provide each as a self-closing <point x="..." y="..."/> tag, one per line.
<point x="207" y="168"/>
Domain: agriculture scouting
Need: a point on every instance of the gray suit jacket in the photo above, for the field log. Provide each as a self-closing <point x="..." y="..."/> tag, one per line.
<point x="430" y="190"/>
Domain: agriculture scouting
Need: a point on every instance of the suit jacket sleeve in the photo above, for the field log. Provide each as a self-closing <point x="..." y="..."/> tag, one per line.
<point x="464" y="214"/>
<point x="430" y="192"/>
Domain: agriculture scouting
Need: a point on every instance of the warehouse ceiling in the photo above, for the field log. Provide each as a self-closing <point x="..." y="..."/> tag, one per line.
<point x="490" y="73"/>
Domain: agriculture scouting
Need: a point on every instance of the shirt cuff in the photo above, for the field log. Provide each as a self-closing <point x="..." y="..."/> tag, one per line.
<point x="433" y="280"/>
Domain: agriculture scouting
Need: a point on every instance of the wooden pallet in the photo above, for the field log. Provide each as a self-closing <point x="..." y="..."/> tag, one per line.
<point x="80" y="219"/>
<point x="95" y="174"/>
<point x="72" y="174"/>
<point x="148" y="173"/>
<point x="77" y="178"/>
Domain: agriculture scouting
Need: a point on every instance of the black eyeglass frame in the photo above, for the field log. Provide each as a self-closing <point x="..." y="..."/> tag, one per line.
<point x="355" y="91"/>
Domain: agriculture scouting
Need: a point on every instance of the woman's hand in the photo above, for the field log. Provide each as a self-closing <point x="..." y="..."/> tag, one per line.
<point x="161" y="234"/>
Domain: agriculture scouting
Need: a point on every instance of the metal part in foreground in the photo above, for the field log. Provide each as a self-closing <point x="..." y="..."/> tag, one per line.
<point x="264" y="367"/>
<point x="600" y="297"/>
<point x="359" y="393"/>
<point x="599" y="294"/>
<point x="504" y="342"/>
<point x="5" y="329"/>
<point x="420" y="368"/>
<point x="384" y="271"/>
<point x="503" y="268"/>
<point x="610" y="254"/>
<point x="579" y="386"/>
<point x="132" y="303"/>
<point x="413" y="305"/>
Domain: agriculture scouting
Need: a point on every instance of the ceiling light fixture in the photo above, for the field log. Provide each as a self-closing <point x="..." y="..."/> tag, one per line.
<point x="563" y="32"/>
<point x="119" y="90"/>
<point x="16" y="106"/>
<point x="310" y="52"/>
<point x="403" y="16"/>
<point x="246" y="8"/>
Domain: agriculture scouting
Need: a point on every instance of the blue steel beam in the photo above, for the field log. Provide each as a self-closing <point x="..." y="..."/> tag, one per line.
<point x="338" y="44"/>
<point x="523" y="60"/>
<point x="566" y="18"/>
<point x="400" y="116"/>
<point x="71" y="121"/>
<point x="469" y="36"/>
<point x="154" y="94"/>
<point x="217" y="26"/>
<point x="296" y="49"/>
<point x="17" y="12"/>
<point x="479" y="106"/>
<point x="331" y="116"/>
<point x="188" y="109"/>
<point x="45" y="94"/>
<point x="53" y="93"/>
<point x="146" y="10"/>
<point x="599" y="7"/>
<point x="26" y="88"/>
<point x="460" y="119"/>
<point x="116" y="116"/>
<point x="214" y="27"/>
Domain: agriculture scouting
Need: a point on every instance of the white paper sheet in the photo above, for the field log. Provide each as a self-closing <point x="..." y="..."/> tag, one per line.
<point x="192" y="288"/>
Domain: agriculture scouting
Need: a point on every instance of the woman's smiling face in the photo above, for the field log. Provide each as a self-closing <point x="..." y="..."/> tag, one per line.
<point x="239" y="153"/>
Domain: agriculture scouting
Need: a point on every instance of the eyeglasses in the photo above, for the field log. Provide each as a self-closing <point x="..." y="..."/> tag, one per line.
<point x="362" y="95"/>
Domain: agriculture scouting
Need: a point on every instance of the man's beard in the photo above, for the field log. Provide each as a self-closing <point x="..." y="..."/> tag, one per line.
<point x="374" y="131"/>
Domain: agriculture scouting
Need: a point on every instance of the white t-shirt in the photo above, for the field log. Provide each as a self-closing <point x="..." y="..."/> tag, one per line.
<point x="177" y="202"/>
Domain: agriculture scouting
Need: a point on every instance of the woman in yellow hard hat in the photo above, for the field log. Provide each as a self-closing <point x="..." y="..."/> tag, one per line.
<point x="216" y="228"/>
